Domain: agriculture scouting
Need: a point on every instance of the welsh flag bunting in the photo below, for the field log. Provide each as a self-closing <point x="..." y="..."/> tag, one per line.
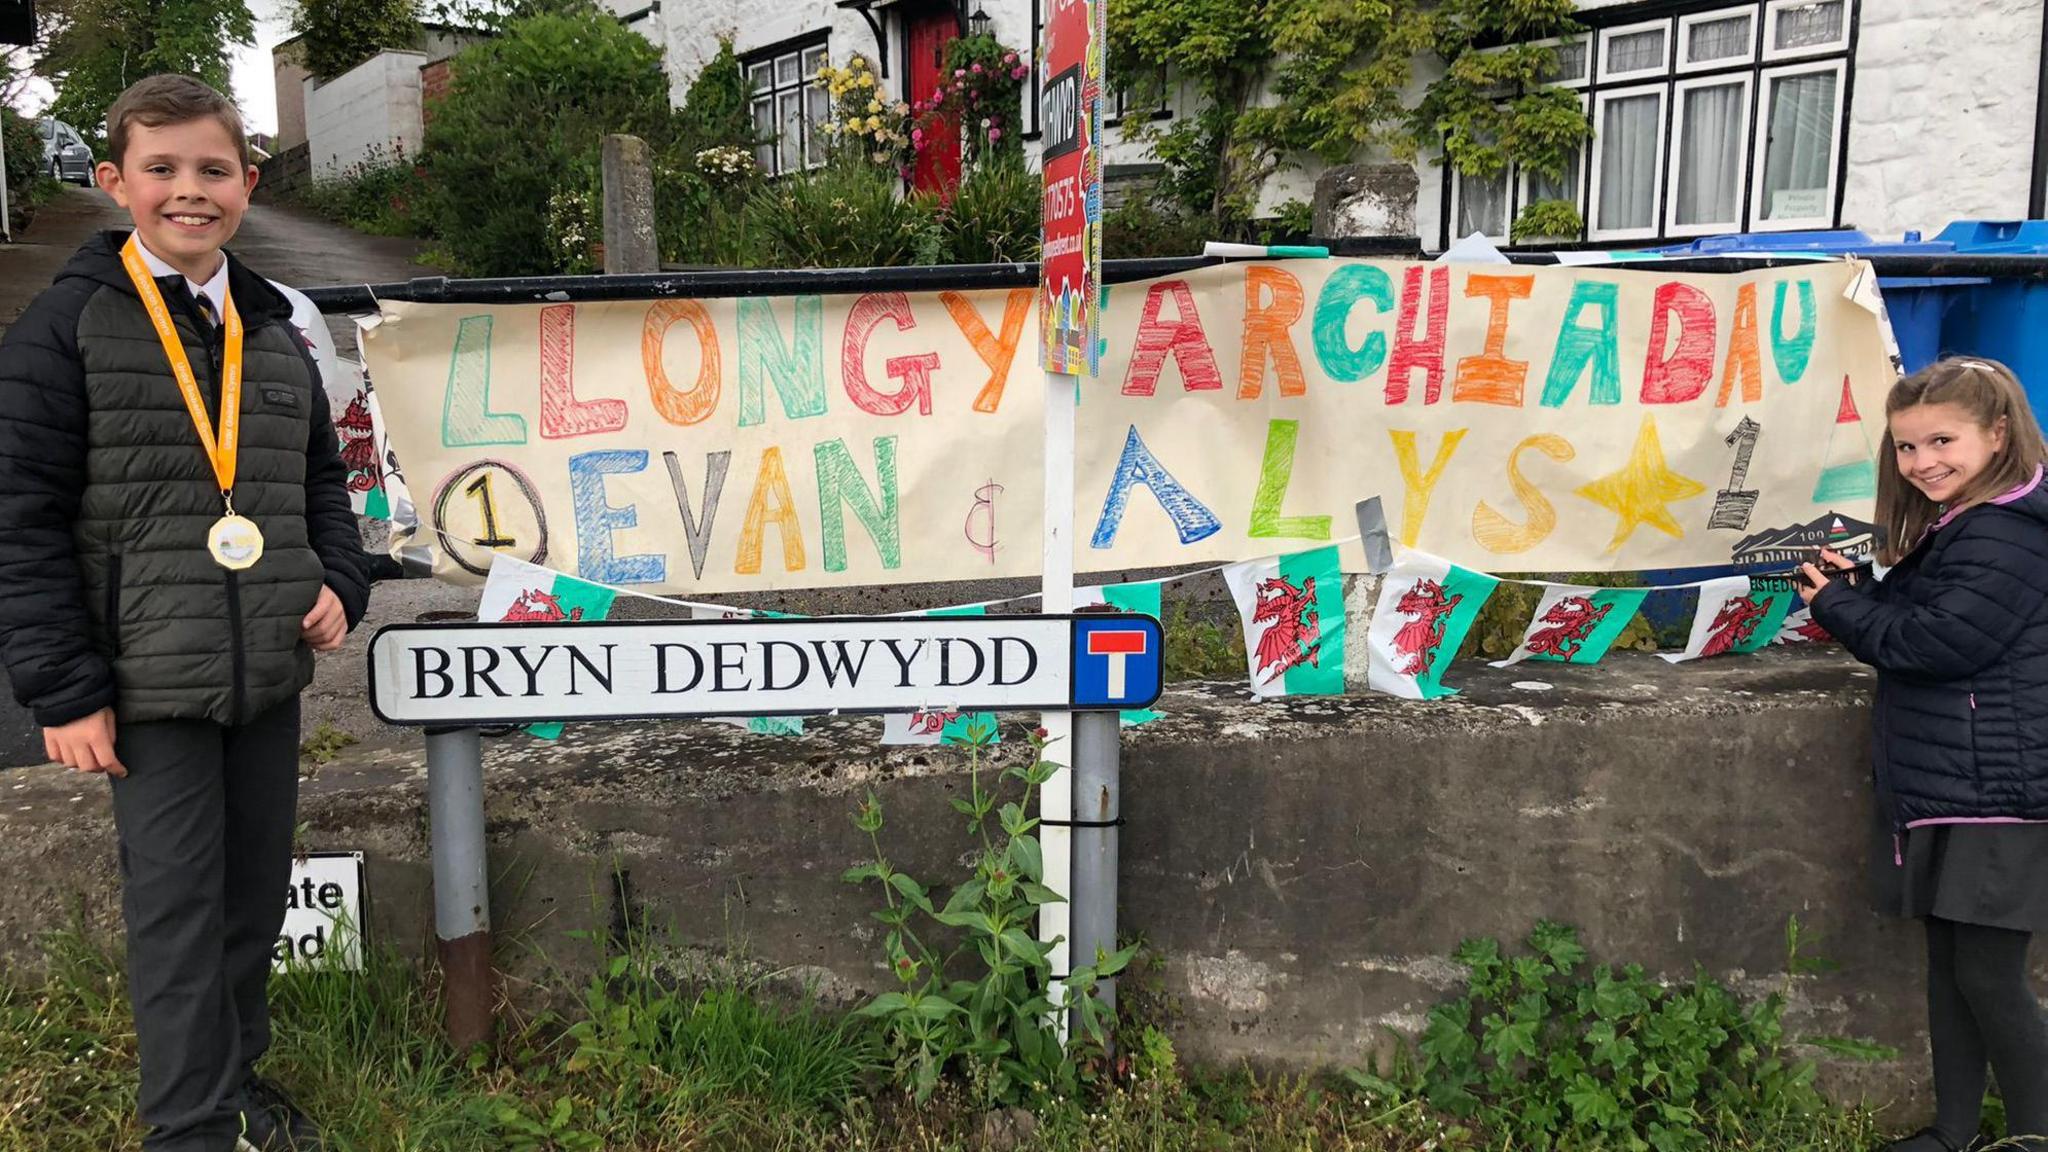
<point x="758" y="725"/>
<point x="1142" y="598"/>
<point x="1736" y="614"/>
<point x="518" y="592"/>
<point x="1426" y="606"/>
<point x="1293" y="613"/>
<point x="1576" y="625"/>
<point x="942" y="727"/>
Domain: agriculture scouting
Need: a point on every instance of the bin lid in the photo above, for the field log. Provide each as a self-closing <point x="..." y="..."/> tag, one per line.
<point x="2011" y="236"/>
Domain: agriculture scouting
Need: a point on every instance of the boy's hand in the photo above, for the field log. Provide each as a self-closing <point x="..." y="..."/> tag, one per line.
<point x="326" y="625"/>
<point x="85" y="744"/>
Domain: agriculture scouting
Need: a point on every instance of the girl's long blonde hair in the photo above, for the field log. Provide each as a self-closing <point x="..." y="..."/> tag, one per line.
<point x="1991" y="396"/>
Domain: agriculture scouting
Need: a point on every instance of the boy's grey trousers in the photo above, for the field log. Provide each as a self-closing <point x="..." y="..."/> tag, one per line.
<point x="205" y="818"/>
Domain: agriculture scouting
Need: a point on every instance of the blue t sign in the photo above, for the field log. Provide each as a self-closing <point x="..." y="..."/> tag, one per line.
<point x="1117" y="662"/>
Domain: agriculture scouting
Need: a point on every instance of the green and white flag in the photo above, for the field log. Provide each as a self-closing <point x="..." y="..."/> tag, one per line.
<point x="518" y="592"/>
<point x="1576" y="625"/>
<point x="1142" y="598"/>
<point x="1736" y="614"/>
<point x="1292" y="608"/>
<point x="758" y="725"/>
<point x="942" y="726"/>
<point x="1426" y="606"/>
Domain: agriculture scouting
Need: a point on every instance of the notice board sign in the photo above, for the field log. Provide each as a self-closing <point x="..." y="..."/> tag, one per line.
<point x="1070" y="113"/>
<point x="324" y="915"/>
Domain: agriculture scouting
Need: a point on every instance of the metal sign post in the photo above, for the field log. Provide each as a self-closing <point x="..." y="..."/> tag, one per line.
<point x="451" y="677"/>
<point x="1069" y="322"/>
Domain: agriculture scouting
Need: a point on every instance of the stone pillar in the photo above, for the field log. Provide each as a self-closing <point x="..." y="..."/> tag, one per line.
<point x="1375" y="200"/>
<point x="629" y="244"/>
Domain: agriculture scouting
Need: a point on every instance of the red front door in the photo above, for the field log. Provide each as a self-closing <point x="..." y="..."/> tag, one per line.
<point x="938" y="161"/>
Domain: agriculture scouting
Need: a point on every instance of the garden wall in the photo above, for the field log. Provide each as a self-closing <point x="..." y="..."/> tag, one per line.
<point x="1301" y="870"/>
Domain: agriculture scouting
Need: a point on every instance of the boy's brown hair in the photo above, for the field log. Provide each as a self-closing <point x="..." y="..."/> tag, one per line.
<point x="1992" y="397"/>
<point x="171" y="99"/>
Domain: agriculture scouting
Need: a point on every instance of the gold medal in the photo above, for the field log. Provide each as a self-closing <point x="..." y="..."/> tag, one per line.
<point x="234" y="541"/>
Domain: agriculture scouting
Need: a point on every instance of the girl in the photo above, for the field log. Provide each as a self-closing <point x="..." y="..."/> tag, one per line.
<point x="1958" y="631"/>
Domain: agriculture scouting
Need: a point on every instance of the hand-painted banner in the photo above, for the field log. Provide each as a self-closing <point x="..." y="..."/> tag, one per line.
<point x="1513" y="419"/>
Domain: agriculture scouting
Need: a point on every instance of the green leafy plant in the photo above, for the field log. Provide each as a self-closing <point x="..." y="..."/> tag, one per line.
<point x="983" y="1007"/>
<point x="28" y="182"/>
<point x="523" y="122"/>
<point x="1202" y="649"/>
<point x="1548" y="220"/>
<point x="381" y="194"/>
<point x="842" y="216"/>
<point x="1492" y="108"/>
<point x="981" y="87"/>
<point x="1142" y="227"/>
<point x="1545" y="1051"/>
<point x="1334" y="72"/>
<point x="994" y="214"/>
<point x="337" y="35"/>
<point x="325" y="743"/>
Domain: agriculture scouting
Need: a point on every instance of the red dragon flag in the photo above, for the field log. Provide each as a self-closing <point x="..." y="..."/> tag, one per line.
<point x="518" y="592"/>
<point x="1576" y="625"/>
<point x="1425" y="608"/>
<point x="1293" y="613"/>
<point x="1736" y="614"/>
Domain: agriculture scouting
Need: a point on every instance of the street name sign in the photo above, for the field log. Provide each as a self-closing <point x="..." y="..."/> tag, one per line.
<point x="467" y="674"/>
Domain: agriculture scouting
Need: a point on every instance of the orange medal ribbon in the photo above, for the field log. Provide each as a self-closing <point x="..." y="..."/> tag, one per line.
<point x="234" y="541"/>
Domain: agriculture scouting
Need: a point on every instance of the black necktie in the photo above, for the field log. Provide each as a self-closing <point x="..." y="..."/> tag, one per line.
<point x="206" y="310"/>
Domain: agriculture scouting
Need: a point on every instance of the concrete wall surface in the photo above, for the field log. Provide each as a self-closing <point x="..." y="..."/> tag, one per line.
<point x="365" y="111"/>
<point x="1301" y="869"/>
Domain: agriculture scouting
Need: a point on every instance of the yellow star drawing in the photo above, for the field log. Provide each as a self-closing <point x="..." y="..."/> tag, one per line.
<point x="1639" y="492"/>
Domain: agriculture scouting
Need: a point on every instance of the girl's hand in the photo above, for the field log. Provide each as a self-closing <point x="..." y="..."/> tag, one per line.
<point x="1816" y="578"/>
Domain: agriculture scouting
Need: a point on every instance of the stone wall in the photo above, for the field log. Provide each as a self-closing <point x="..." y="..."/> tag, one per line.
<point x="1942" y="122"/>
<point x="1301" y="869"/>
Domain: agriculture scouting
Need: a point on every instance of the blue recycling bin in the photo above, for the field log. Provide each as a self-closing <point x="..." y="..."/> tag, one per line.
<point x="2005" y="320"/>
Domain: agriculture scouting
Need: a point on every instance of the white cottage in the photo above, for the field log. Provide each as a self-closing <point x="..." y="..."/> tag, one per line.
<point x="1710" y="116"/>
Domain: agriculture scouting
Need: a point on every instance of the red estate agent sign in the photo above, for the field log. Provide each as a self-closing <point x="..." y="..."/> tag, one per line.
<point x="1069" y="306"/>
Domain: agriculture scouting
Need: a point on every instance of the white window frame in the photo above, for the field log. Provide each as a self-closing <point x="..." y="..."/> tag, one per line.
<point x="1585" y="76"/>
<point x="1687" y="23"/>
<point x="1661" y="90"/>
<point x="1523" y="197"/>
<point x="1676" y="171"/>
<point x="1507" y="184"/>
<point x="812" y="151"/>
<point x="1770" y="33"/>
<point x="1759" y="149"/>
<point x="1609" y="35"/>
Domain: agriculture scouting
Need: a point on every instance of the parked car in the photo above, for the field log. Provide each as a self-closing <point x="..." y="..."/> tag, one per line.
<point x="65" y="152"/>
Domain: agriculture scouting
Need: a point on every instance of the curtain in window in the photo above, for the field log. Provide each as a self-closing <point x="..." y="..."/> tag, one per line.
<point x="1628" y="162"/>
<point x="1809" y="24"/>
<point x="1483" y="206"/>
<point x="764" y="132"/>
<point x="1709" y="173"/>
<point x="1565" y="188"/>
<point x="1717" y="40"/>
<point x="1796" y="156"/>
<point x="1636" y="51"/>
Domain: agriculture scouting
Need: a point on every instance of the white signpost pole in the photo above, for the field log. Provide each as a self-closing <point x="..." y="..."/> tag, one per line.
<point x="1056" y="798"/>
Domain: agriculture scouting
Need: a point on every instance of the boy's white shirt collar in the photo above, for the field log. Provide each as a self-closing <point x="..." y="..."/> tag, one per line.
<point x="215" y="290"/>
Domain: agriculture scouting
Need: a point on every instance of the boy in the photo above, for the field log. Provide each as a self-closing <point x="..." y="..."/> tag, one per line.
<point x="171" y="573"/>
